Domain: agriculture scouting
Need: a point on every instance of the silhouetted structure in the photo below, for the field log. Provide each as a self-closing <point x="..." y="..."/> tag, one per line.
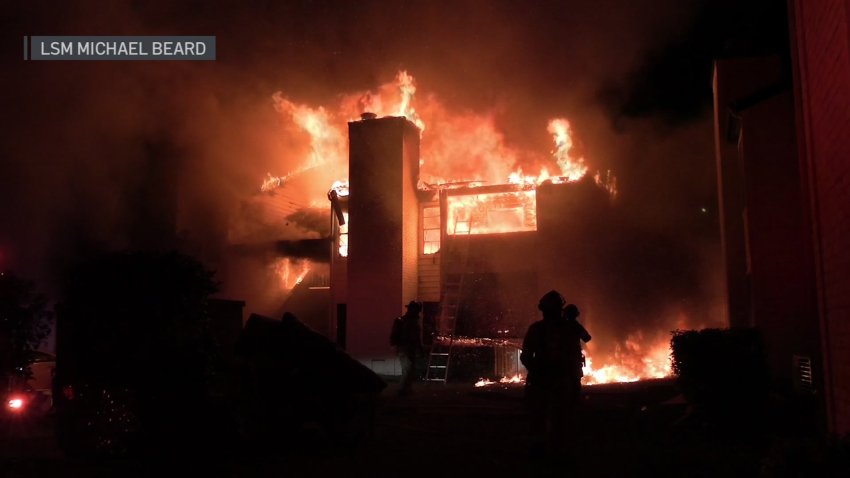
<point x="135" y="357"/>
<point x="293" y="376"/>
<point x="782" y="125"/>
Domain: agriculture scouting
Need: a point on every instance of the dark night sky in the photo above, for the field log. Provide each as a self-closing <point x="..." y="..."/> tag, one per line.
<point x="78" y="137"/>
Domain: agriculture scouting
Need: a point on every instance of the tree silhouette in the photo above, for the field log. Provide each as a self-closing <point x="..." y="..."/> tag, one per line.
<point x="24" y="324"/>
<point x="134" y="328"/>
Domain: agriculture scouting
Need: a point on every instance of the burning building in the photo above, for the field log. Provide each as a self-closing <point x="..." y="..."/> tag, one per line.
<point x="478" y="256"/>
<point x="444" y="214"/>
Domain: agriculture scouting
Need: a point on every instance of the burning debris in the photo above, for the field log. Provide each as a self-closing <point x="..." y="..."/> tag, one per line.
<point x="483" y="382"/>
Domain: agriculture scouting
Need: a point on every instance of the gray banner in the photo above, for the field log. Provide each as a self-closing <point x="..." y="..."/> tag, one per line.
<point x="47" y="48"/>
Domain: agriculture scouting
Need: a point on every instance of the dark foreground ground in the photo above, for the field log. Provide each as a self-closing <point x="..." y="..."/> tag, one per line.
<point x="638" y="429"/>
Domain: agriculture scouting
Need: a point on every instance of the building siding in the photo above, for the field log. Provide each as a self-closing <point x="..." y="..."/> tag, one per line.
<point x="822" y="57"/>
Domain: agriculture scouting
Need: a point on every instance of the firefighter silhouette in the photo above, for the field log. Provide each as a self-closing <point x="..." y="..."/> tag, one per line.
<point x="406" y="337"/>
<point x="551" y="352"/>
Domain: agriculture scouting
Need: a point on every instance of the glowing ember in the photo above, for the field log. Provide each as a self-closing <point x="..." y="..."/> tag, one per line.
<point x="483" y="382"/>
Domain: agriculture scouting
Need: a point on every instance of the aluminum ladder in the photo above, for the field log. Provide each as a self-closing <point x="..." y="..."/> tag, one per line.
<point x="440" y="355"/>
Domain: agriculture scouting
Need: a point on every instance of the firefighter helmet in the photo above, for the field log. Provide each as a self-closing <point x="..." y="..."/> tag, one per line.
<point x="414" y="306"/>
<point x="551" y="301"/>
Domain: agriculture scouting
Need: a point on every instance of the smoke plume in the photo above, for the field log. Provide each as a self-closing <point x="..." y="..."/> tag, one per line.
<point x="114" y="155"/>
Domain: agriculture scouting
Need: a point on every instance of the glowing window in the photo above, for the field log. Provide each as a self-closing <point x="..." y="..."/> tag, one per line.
<point x="430" y="230"/>
<point x="492" y="213"/>
<point x="343" y="237"/>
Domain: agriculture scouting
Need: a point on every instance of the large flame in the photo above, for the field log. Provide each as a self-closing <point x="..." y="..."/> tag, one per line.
<point x="456" y="145"/>
<point x="327" y="143"/>
<point x="632" y="360"/>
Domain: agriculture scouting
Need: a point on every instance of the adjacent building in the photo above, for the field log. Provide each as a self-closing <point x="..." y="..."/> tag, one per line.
<point x="782" y="123"/>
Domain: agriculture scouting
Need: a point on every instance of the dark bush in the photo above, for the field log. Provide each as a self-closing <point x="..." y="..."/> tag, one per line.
<point x="720" y="369"/>
<point x="807" y="456"/>
<point x="24" y="324"/>
<point x="133" y="342"/>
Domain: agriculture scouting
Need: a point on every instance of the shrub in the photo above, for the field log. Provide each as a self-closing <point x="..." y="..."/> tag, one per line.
<point x="719" y="368"/>
<point x="24" y="324"/>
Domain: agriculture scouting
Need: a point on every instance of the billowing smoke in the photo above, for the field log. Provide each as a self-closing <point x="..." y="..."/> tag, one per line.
<point x="101" y="155"/>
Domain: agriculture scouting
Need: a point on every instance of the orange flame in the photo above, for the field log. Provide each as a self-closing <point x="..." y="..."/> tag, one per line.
<point x="457" y="146"/>
<point x="571" y="169"/>
<point x="328" y="145"/>
<point x="290" y="272"/>
<point x="405" y="107"/>
<point x="630" y="362"/>
<point x="483" y="382"/>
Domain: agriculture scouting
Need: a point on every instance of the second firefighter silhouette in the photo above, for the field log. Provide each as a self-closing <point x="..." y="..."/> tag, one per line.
<point x="551" y="352"/>
<point x="406" y="337"/>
